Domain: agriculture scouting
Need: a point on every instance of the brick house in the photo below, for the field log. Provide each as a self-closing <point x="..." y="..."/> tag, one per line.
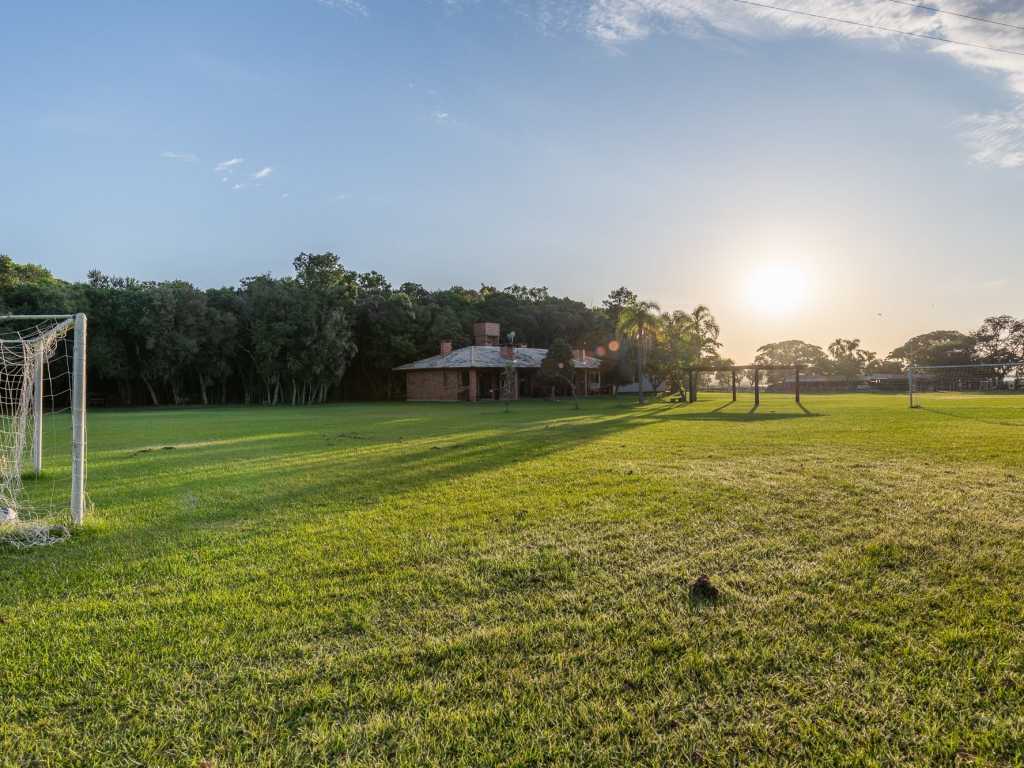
<point x="475" y="373"/>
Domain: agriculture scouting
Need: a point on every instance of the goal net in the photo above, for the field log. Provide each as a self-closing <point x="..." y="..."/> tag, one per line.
<point x="984" y="382"/>
<point x="42" y="428"/>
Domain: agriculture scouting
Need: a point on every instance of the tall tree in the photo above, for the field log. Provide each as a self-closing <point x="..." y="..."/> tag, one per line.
<point x="793" y="352"/>
<point x="1000" y="339"/>
<point x="617" y="301"/>
<point x="705" y="330"/>
<point x="559" y="366"/>
<point x="323" y="343"/>
<point x="936" y="348"/>
<point x="219" y="344"/>
<point x="385" y="334"/>
<point x="848" y="358"/>
<point x="639" y="322"/>
<point x="677" y="349"/>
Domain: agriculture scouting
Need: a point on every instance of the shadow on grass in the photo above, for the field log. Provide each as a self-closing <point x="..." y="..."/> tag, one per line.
<point x="190" y="499"/>
<point x="755" y="414"/>
<point x="969" y="417"/>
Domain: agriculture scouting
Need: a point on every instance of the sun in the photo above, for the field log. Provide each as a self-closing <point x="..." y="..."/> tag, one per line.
<point x="776" y="288"/>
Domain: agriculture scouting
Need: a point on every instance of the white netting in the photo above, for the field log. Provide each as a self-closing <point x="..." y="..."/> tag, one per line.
<point x="36" y="378"/>
<point x="951" y="383"/>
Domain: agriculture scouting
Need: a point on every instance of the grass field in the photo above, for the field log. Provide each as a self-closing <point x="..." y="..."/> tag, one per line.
<point x="454" y="585"/>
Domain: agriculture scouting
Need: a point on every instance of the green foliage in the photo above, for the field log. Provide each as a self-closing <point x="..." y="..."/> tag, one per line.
<point x="30" y="289"/>
<point x="848" y="359"/>
<point x="1000" y="339"/>
<point x="559" y="367"/>
<point x="293" y="339"/>
<point x="684" y="340"/>
<point x="793" y="352"/>
<point x="936" y="348"/>
<point x="14" y="275"/>
<point x="639" y="322"/>
<point x="845" y="359"/>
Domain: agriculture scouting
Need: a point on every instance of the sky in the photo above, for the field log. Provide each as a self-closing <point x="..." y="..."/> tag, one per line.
<point x="804" y="178"/>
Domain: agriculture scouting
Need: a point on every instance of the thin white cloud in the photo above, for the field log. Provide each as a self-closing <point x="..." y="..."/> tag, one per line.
<point x="187" y="157"/>
<point x="441" y="117"/>
<point x="351" y="6"/>
<point x="285" y="195"/>
<point x="238" y="186"/>
<point x="228" y="165"/>
<point x="996" y="138"/>
<point x="262" y="173"/>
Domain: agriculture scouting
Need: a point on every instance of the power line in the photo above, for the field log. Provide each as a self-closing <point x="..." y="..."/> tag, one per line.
<point x="865" y="25"/>
<point x="933" y="9"/>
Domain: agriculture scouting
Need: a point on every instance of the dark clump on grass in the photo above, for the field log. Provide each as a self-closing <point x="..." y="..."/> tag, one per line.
<point x="702" y="591"/>
<point x="150" y="450"/>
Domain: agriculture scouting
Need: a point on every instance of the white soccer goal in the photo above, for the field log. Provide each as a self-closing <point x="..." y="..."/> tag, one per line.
<point x="42" y="419"/>
<point x="952" y="382"/>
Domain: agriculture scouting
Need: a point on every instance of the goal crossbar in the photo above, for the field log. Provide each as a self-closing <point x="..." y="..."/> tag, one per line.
<point x="732" y="369"/>
<point x="68" y="324"/>
<point x="37" y="317"/>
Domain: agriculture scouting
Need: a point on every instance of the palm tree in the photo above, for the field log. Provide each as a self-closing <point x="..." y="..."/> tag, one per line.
<point x="705" y="332"/>
<point x="638" y="321"/>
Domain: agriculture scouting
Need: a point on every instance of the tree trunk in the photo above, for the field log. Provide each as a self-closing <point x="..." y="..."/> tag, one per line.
<point x="152" y="392"/>
<point x="640" y="376"/>
<point x="202" y="390"/>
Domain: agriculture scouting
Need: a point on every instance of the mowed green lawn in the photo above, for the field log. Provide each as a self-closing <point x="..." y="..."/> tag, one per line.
<point x="452" y="585"/>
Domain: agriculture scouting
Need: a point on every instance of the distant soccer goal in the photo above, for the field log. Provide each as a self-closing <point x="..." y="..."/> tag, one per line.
<point x="42" y="427"/>
<point x="950" y="383"/>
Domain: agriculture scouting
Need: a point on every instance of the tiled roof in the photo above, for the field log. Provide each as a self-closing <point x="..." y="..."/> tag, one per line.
<point x="489" y="357"/>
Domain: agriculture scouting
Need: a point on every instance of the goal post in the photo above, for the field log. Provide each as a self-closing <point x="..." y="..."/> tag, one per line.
<point x="78" y="423"/>
<point x="37" y="411"/>
<point x="961" y="381"/>
<point x="42" y="419"/>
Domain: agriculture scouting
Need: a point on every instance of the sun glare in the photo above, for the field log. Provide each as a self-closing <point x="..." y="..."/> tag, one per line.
<point x="776" y="288"/>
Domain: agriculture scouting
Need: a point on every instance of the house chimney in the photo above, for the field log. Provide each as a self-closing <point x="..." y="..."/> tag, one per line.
<point x="580" y="354"/>
<point x="446" y="347"/>
<point x="486" y="334"/>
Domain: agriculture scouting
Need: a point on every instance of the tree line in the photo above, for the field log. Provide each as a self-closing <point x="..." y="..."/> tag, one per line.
<point x="322" y="333"/>
<point x="329" y="333"/>
<point x="999" y="341"/>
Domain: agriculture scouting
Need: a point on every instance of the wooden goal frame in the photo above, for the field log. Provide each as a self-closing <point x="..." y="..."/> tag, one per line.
<point x="694" y="370"/>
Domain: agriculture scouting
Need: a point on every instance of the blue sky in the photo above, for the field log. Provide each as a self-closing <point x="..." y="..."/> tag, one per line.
<point x="685" y="148"/>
